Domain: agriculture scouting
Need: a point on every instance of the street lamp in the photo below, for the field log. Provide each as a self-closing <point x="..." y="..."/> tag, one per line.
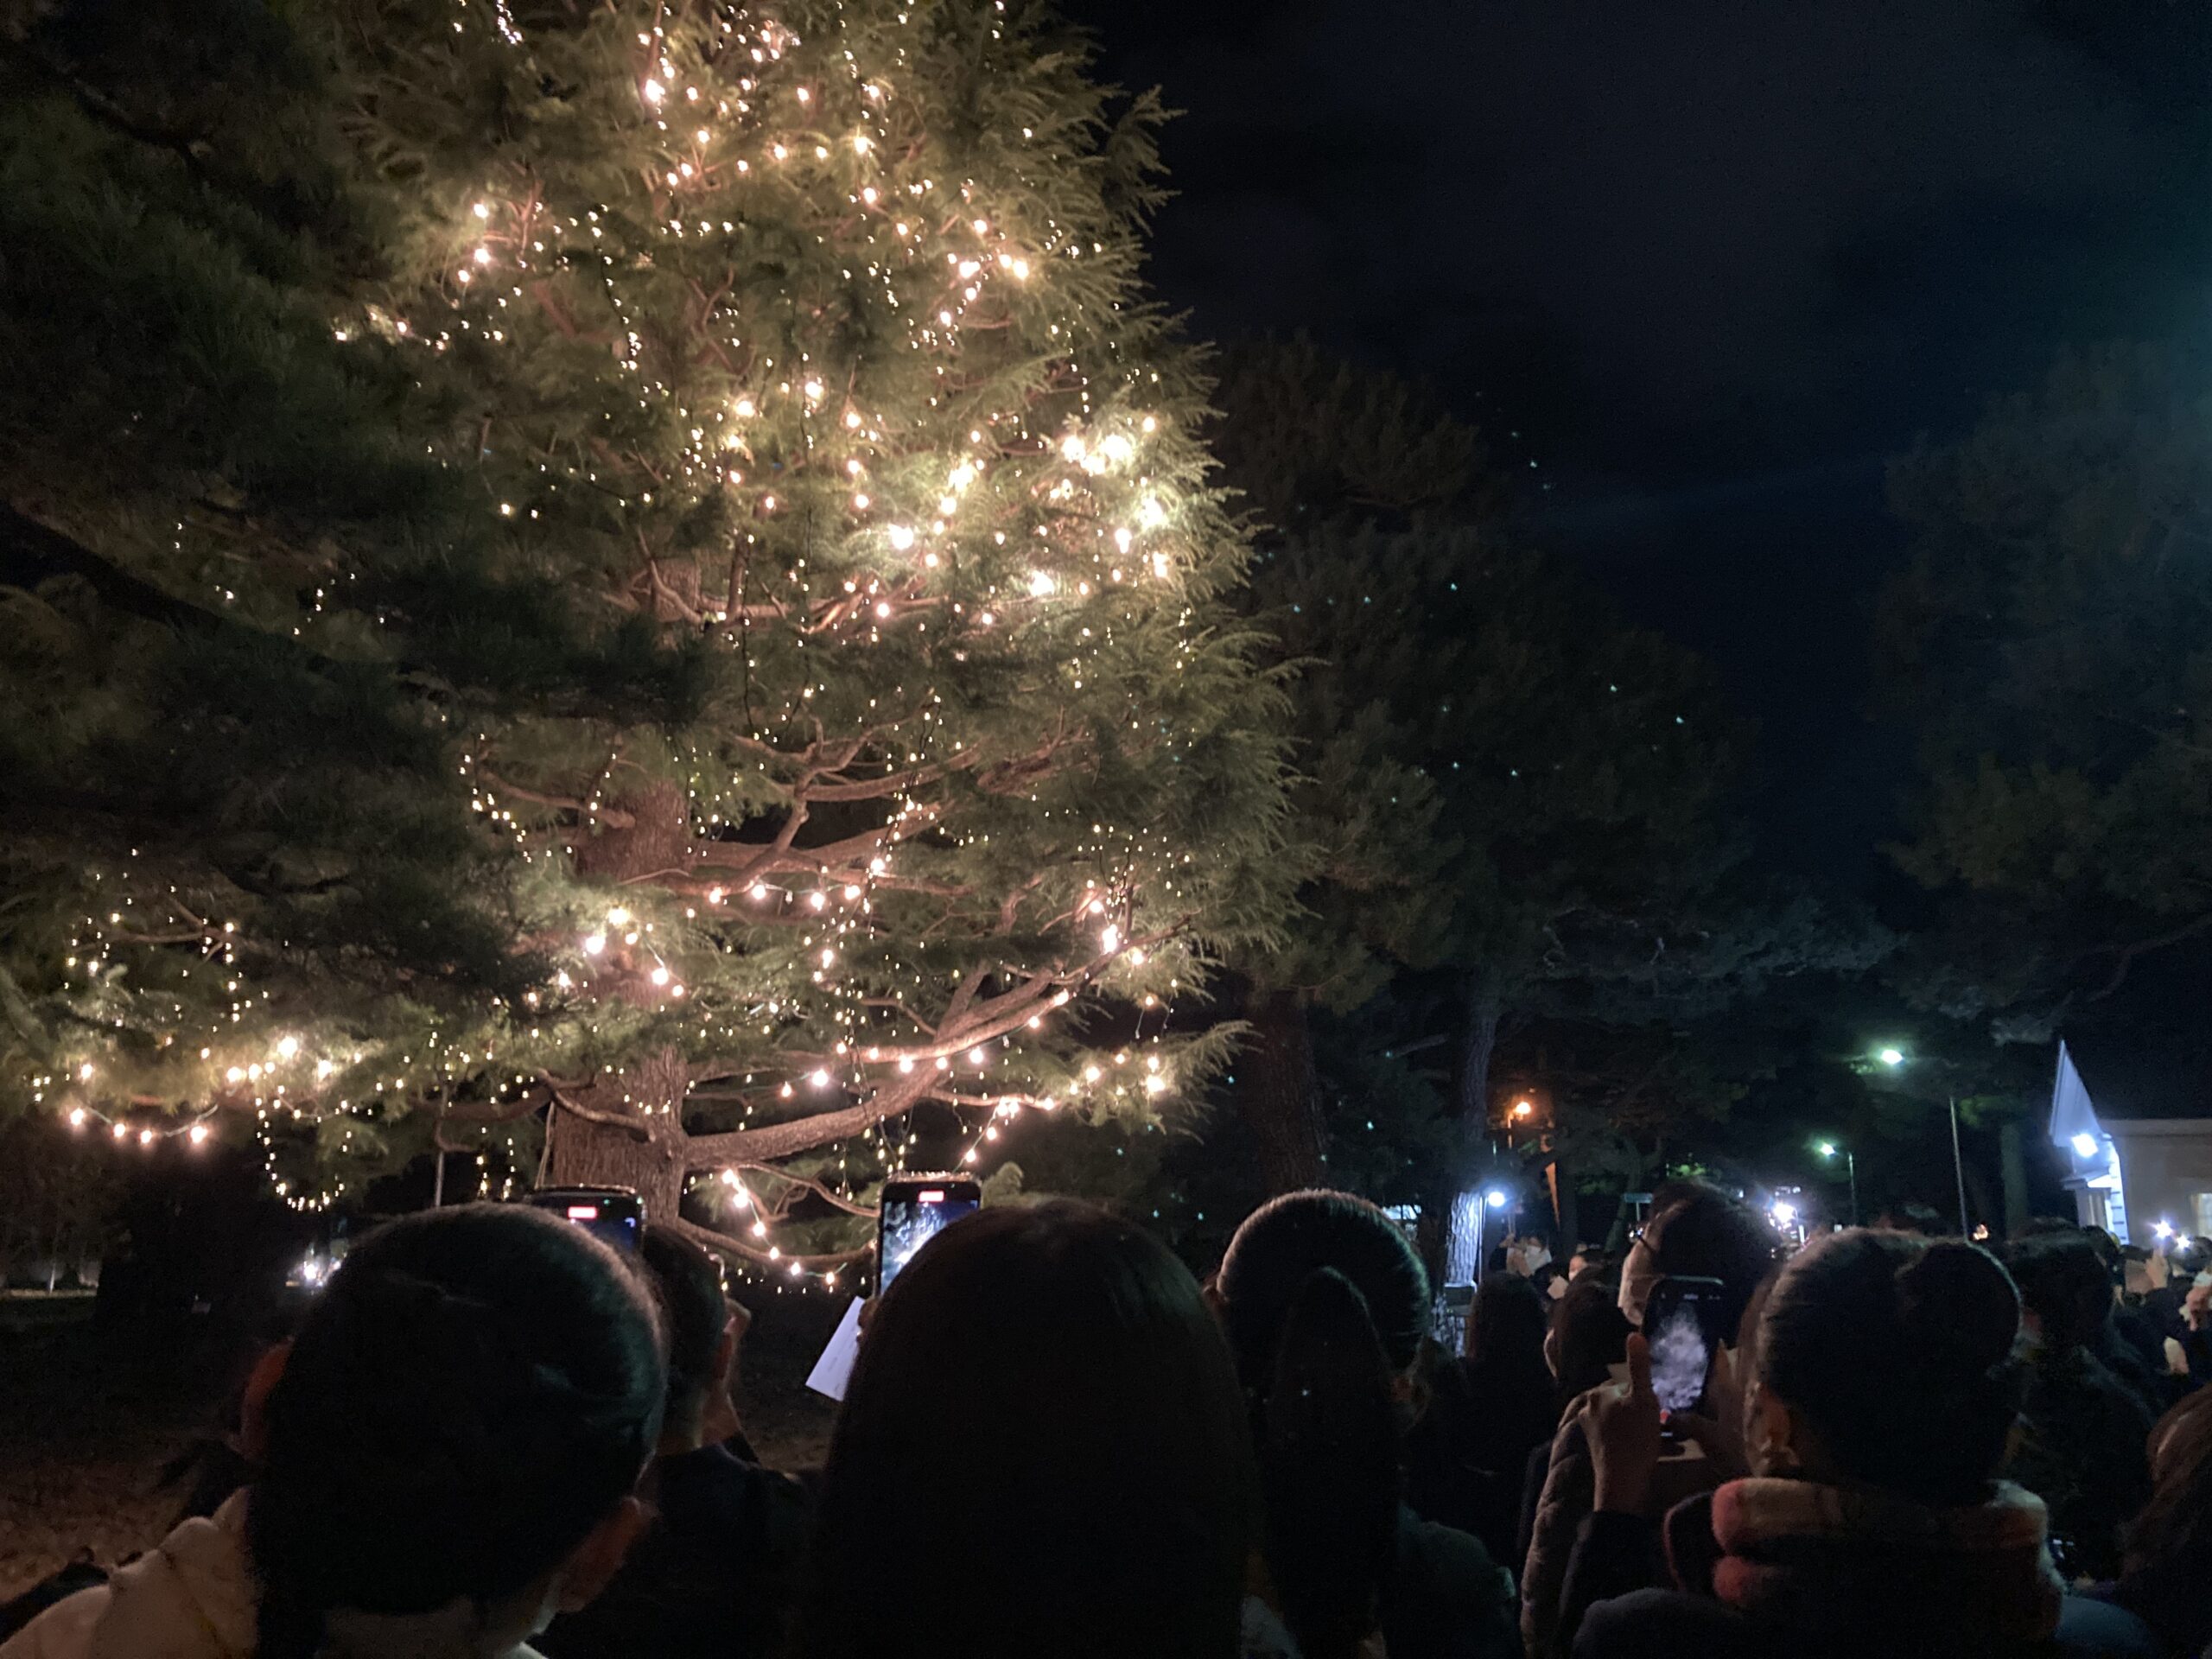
<point x="1829" y="1149"/>
<point x="1895" y="1058"/>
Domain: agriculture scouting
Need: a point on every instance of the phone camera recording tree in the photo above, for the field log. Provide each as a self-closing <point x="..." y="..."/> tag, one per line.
<point x="642" y="569"/>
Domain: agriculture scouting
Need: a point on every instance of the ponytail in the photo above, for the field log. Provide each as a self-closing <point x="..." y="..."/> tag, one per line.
<point x="472" y="1393"/>
<point x="1326" y="1307"/>
<point x="1328" y="1464"/>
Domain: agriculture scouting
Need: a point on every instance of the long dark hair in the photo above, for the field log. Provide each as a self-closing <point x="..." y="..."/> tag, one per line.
<point x="688" y="1287"/>
<point x="1044" y="1428"/>
<point x="1699" y="1231"/>
<point x="1589" y="1336"/>
<point x="474" y="1391"/>
<point x="2177" y="1520"/>
<point x="1901" y="1353"/>
<point x="1505" y="1327"/>
<point x="1327" y="1304"/>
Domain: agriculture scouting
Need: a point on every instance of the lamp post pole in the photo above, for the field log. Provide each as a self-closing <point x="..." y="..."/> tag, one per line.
<point x="1894" y="1058"/>
<point x="1959" y="1169"/>
<point x="1850" y="1156"/>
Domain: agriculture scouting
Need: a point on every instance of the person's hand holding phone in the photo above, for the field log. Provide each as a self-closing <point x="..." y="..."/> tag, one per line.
<point x="1621" y="1422"/>
<point x="1718" y="1431"/>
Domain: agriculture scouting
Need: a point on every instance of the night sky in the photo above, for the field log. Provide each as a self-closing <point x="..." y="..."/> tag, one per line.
<point x="1706" y="264"/>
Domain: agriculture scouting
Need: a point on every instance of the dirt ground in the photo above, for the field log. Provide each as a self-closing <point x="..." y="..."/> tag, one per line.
<point x="88" y="1417"/>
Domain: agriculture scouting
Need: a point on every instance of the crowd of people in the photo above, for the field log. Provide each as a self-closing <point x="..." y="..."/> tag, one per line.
<point x="492" y="1435"/>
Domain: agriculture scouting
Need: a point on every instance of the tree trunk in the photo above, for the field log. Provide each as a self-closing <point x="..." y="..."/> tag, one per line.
<point x="639" y="1142"/>
<point x="1568" y="1206"/>
<point x="1277" y="1095"/>
<point x="1477" y="1041"/>
<point x="627" y="1128"/>
<point x="2013" y="1154"/>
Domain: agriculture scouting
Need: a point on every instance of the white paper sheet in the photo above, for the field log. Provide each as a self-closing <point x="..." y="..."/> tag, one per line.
<point x="834" y="1369"/>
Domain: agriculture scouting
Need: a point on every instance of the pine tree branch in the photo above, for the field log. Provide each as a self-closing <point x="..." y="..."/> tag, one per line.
<point x="713" y="1238"/>
<point x="629" y="1126"/>
<point x="805" y="1183"/>
<point x="31" y="553"/>
<point x="611" y="816"/>
<point x="2143" y="947"/>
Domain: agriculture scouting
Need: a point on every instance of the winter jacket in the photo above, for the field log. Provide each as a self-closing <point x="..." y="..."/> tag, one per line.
<point x="1468" y="1456"/>
<point x="2083" y="1453"/>
<point x="1549" y="1606"/>
<point x="193" y="1597"/>
<point x="1767" y="1567"/>
<point x="1570" y="1490"/>
<point x="1447" y="1598"/>
<point x="713" y="1576"/>
<point x="2170" y="1597"/>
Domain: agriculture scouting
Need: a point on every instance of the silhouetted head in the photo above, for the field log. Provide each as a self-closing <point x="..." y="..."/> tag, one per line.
<point x="1043" y="1451"/>
<point x="1889" y="1361"/>
<point x="1588" y="1336"/>
<point x="2065" y="1287"/>
<point x="456" y="1431"/>
<point x="1326" y="1306"/>
<point x="1506" y="1323"/>
<point x="1911" y="1218"/>
<point x="1699" y="1232"/>
<point x="700" y="1338"/>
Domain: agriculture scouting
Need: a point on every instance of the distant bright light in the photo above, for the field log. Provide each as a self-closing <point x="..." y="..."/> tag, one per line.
<point x="1523" y="1108"/>
<point x="1892" y="1057"/>
<point x="1827" y="1149"/>
<point x="1784" y="1213"/>
<point x="593" y="944"/>
<point x="1495" y="1197"/>
<point x="2084" y="1145"/>
<point x="2163" y="1228"/>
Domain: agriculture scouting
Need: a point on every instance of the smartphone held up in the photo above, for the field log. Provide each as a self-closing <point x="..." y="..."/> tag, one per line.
<point x="1681" y="1324"/>
<point x="615" y="1215"/>
<point x="914" y="1210"/>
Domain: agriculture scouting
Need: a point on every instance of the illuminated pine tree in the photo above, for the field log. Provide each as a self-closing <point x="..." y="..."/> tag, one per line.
<point x="641" y="569"/>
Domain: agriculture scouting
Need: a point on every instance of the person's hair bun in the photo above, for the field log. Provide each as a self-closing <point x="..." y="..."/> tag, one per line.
<point x="1959" y="1311"/>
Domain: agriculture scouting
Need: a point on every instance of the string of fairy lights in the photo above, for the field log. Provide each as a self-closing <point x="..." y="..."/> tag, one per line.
<point x="1057" y="531"/>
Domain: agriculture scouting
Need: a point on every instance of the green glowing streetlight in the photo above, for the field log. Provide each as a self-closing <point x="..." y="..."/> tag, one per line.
<point x="1892" y="1058"/>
